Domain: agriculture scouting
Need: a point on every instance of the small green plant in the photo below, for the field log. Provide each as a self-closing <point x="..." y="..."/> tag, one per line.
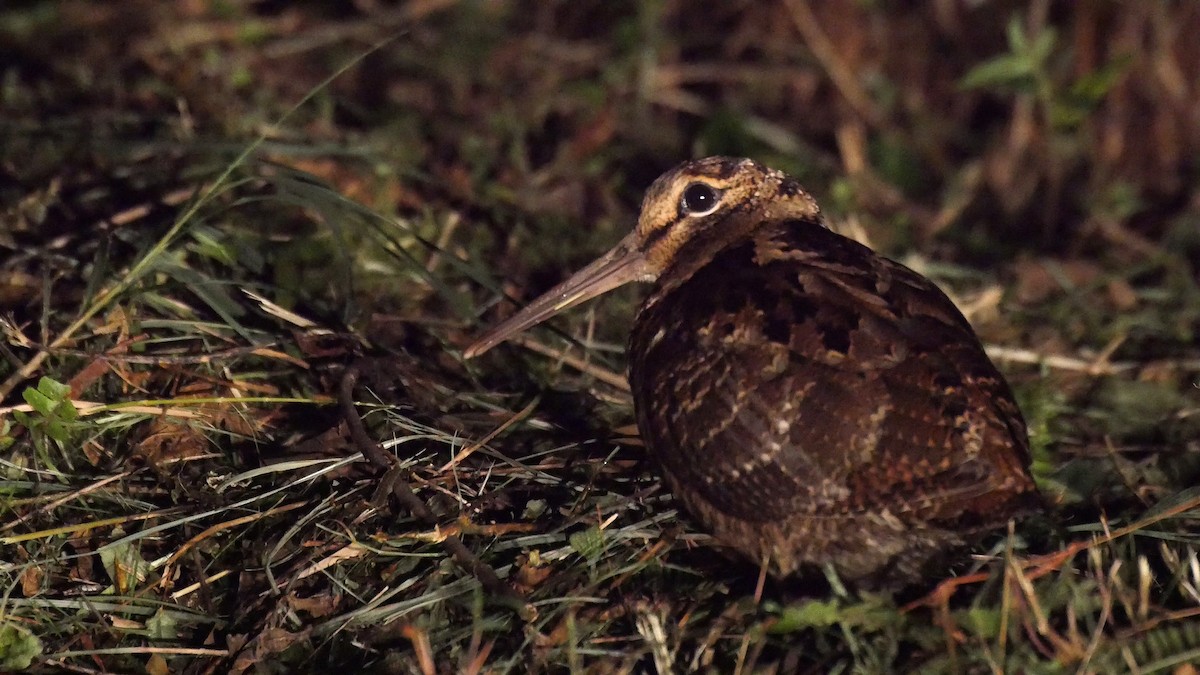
<point x="18" y="647"/>
<point x="53" y="418"/>
<point x="1028" y="67"/>
<point x="1024" y="68"/>
<point x="589" y="543"/>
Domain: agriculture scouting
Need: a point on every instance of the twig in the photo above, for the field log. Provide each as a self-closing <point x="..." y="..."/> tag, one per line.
<point x="170" y="358"/>
<point x="839" y="71"/>
<point x="467" y="451"/>
<point x="403" y="493"/>
<point x="1042" y="565"/>
<point x="220" y="527"/>
<point x="603" y="374"/>
<point x="443" y="243"/>
<point x="1097" y="366"/>
<point x="75" y="494"/>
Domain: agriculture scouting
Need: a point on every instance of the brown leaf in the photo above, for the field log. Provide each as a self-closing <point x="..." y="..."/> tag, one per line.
<point x="530" y="573"/>
<point x="1121" y="295"/>
<point x="157" y="665"/>
<point x="168" y="439"/>
<point x="18" y="288"/>
<point x="31" y="580"/>
<point x="316" y="606"/>
<point x="269" y="642"/>
<point x="1038" y="280"/>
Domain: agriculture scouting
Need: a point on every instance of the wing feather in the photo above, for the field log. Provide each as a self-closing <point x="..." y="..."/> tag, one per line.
<point x="800" y="373"/>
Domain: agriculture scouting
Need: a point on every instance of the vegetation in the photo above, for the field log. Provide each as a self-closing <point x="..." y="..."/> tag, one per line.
<point x="209" y="210"/>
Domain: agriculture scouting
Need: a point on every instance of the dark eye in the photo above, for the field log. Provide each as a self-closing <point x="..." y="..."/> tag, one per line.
<point x="699" y="199"/>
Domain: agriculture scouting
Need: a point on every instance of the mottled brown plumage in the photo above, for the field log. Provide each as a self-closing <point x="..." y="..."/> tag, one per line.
<point x="809" y="401"/>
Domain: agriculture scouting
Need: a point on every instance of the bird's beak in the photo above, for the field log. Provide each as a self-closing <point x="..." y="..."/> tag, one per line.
<point x="623" y="264"/>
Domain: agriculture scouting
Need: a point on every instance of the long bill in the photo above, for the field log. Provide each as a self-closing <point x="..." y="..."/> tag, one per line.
<point x="621" y="265"/>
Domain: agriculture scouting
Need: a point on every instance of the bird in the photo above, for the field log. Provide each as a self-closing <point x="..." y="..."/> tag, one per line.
<point x="811" y="403"/>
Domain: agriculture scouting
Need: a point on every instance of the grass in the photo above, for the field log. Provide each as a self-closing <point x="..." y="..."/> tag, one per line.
<point x="204" y="230"/>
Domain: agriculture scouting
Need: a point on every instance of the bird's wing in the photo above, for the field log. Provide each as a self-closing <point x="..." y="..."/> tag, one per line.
<point x="802" y="374"/>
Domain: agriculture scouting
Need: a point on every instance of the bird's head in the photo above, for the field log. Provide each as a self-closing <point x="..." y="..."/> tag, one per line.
<point x="689" y="213"/>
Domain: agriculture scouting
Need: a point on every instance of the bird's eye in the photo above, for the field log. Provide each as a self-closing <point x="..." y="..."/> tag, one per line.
<point x="699" y="199"/>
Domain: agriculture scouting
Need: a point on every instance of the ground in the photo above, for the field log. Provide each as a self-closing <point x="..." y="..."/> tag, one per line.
<point x="212" y="211"/>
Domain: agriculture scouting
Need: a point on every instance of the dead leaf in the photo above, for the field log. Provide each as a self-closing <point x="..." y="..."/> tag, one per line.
<point x="31" y="580"/>
<point x="316" y="606"/>
<point x="157" y="665"/>
<point x="266" y="644"/>
<point x="1121" y="295"/>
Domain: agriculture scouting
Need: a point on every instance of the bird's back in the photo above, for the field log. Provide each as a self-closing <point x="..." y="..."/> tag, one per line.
<point x="816" y="403"/>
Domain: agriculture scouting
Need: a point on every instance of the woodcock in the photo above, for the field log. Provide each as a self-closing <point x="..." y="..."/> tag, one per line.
<point x="809" y="401"/>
